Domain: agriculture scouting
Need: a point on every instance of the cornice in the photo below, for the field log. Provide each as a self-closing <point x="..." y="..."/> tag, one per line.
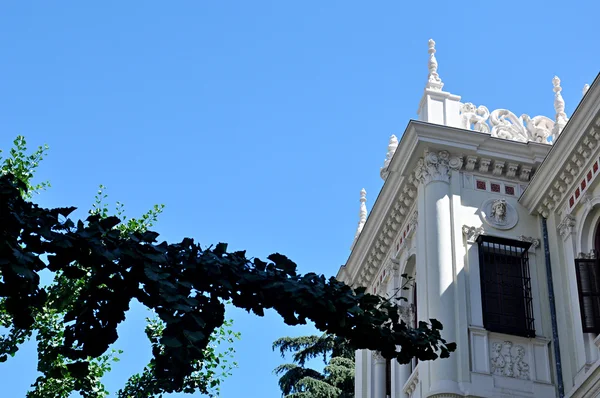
<point x="567" y="163"/>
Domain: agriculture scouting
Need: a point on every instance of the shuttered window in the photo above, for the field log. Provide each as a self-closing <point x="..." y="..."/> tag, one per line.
<point x="588" y="283"/>
<point x="506" y="286"/>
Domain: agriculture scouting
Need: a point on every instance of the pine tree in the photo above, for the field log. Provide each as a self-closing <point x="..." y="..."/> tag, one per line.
<point x="298" y="381"/>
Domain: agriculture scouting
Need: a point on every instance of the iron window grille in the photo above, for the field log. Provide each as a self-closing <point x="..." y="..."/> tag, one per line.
<point x="506" y="286"/>
<point x="588" y="286"/>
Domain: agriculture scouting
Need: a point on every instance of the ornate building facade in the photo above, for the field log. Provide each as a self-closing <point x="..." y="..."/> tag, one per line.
<point x="496" y="217"/>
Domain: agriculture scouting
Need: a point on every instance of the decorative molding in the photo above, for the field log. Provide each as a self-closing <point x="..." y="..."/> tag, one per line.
<point x="586" y="87"/>
<point x="535" y="243"/>
<point x="411" y="384"/>
<point x="567" y="226"/>
<point x="498" y="213"/>
<point x="569" y="173"/>
<point x="436" y="166"/>
<point x="472" y="233"/>
<point x="509" y="361"/>
<point x="391" y="149"/>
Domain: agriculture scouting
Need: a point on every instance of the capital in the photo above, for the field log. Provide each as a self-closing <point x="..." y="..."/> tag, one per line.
<point x="436" y="166"/>
<point x="567" y="226"/>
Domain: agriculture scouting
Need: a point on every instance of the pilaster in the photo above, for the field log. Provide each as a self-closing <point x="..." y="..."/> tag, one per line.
<point x="435" y="244"/>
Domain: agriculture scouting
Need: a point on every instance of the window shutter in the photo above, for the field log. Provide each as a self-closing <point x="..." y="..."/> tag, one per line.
<point x="588" y="283"/>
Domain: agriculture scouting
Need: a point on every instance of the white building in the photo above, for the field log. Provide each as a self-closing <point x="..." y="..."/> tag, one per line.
<point x="496" y="217"/>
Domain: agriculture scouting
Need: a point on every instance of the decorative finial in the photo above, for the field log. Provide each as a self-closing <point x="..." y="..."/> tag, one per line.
<point x="559" y="106"/>
<point x="586" y="87"/>
<point x="391" y="149"/>
<point x="362" y="216"/>
<point x="433" y="80"/>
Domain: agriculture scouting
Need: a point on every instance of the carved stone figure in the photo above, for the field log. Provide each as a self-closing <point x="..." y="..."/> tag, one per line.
<point x="521" y="366"/>
<point x="497" y="359"/>
<point x="475" y="118"/>
<point x="538" y="128"/>
<point x="508" y="370"/>
<point x="499" y="214"/>
<point x="499" y="211"/>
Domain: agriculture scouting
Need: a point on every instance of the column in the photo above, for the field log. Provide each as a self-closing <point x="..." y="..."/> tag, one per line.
<point x="378" y="376"/>
<point x="359" y="379"/>
<point x="567" y="232"/>
<point x="433" y="171"/>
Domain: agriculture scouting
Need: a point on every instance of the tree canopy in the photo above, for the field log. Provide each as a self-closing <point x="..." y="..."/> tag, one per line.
<point x="55" y="380"/>
<point x="185" y="284"/>
<point x="299" y="381"/>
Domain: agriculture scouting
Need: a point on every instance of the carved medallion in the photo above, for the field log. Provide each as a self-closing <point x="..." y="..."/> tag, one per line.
<point x="498" y="213"/>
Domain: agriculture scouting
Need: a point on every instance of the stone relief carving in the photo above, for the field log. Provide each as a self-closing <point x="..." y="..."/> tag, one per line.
<point x="567" y="226"/>
<point x="505" y="124"/>
<point x="475" y="118"/>
<point x="592" y="255"/>
<point x="499" y="214"/>
<point x="436" y="166"/>
<point x="472" y="233"/>
<point x="535" y="243"/>
<point x="508" y="362"/>
<point x="407" y="313"/>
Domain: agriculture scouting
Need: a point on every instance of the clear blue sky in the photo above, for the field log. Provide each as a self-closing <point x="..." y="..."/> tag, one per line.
<point x="258" y="122"/>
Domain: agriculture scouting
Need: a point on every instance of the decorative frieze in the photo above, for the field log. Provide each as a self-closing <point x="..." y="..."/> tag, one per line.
<point x="508" y="360"/>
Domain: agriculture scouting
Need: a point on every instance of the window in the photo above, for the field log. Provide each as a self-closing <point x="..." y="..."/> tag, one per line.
<point x="588" y="285"/>
<point x="505" y="286"/>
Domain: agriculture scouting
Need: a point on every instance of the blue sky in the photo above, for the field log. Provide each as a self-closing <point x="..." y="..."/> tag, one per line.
<point x="257" y="122"/>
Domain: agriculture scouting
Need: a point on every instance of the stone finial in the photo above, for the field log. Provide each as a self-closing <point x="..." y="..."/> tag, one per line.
<point x="559" y="107"/>
<point x="362" y="215"/>
<point x="586" y="87"/>
<point x="434" y="82"/>
<point x="391" y="149"/>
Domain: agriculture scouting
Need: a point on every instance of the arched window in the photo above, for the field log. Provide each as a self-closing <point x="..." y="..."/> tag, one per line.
<point x="588" y="286"/>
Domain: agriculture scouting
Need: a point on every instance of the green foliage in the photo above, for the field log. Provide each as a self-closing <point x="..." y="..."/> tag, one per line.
<point x="23" y="165"/>
<point x="185" y="284"/>
<point x="60" y="375"/>
<point x="337" y="378"/>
